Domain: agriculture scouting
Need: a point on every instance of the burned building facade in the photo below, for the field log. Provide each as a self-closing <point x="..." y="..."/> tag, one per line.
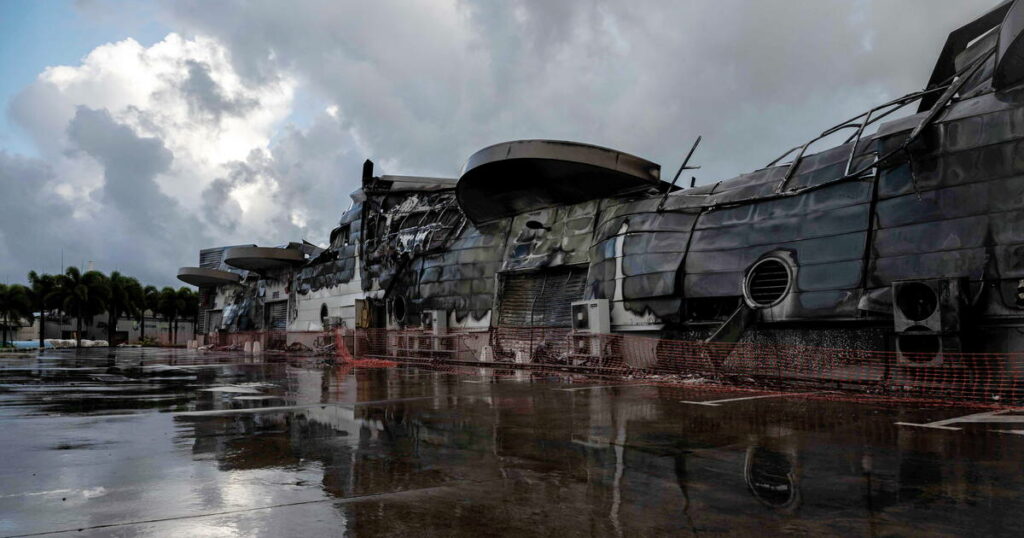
<point x="906" y="236"/>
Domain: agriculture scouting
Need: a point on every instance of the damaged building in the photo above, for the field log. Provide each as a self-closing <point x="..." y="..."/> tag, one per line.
<point x="906" y="237"/>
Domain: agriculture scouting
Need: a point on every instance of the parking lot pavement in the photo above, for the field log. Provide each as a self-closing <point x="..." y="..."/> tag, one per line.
<point x="158" y="442"/>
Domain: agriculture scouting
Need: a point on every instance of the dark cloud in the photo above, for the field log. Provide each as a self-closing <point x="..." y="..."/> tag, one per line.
<point x="205" y="96"/>
<point x="312" y="170"/>
<point x="138" y="227"/>
<point x="130" y="165"/>
<point x="33" y="220"/>
<point x="318" y="168"/>
<point x="218" y="205"/>
<point x="428" y="86"/>
<point x="39" y="229"/>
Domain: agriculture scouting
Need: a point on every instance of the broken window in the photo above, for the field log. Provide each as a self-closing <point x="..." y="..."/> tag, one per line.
<point x="342" y="237"/>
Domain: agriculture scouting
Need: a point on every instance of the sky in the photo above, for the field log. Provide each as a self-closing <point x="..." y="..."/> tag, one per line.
<point x="134" y="133"/>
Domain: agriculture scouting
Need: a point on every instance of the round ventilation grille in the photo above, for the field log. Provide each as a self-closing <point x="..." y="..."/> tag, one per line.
<point x="768" y="282"/>
<point x="916" y="301"/>
<point x="769" y="476"/>
<point x="398" y="309"/>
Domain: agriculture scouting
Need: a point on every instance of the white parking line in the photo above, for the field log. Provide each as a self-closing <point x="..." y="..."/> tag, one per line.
<point x="717" y="403"/>
<point x="285" y="408"/>
<point x="988" y="417"/>
<point x="598" y="387"/>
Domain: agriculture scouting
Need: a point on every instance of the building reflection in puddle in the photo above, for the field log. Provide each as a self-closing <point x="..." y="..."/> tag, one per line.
<point x="620" y="460"/>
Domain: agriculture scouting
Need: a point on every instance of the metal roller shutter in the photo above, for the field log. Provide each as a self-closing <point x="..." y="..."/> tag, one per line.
<point x="277" y="315"/>
<point x="541" y="299"/>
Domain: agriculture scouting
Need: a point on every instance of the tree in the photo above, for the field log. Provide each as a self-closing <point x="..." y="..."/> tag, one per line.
<point x="171" y="306"/>
<point x="150" y="301"/>
<point x="15" y="305"/>
<point x="84" y="294"/>
<point x="43" y="290"/>
<point x="190" y="302"/>
<point x="123" y="298"/>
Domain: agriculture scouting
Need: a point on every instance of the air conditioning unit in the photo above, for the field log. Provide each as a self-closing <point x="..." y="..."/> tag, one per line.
<point x="435" y="321"/>
<point x="927" y="320"/>
<point x="932" y="305"/>
<point x="591" y="317"/>
<point x="590" y="321"/>
<point x="924" y="348"/>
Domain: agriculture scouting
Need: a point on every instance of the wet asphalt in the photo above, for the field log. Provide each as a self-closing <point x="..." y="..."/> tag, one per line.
<point x="175" y="443"/>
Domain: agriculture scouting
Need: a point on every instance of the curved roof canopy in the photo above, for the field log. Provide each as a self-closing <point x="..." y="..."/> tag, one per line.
<point x="515" y="177"/>
<point x="261" y="259"/>
<point x="1010" y="53"/>
<point x="200" y="276"/>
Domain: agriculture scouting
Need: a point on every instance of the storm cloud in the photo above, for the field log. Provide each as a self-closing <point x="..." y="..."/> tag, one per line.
<point x="428" y="83"/>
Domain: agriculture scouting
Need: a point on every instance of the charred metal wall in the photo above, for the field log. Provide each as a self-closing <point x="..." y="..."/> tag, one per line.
<point x="956" y="207"/>
<point x="636" y="256"/>
<point x="401" y="227"/>
<point x="554" y="237"/>
<point x="822" y="233"/>
<point x="461" y="278"/>
<point x="336" y="264"/>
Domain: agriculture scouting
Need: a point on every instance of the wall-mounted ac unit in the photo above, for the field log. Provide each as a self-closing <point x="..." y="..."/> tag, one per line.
<point x="927" y="320"/>
<point x="932" y="305"/>
<point x="925" y="349"/>
<point x="590" y="320"/>
<point x="435" y="321"/>
<point x="591" y="317"/>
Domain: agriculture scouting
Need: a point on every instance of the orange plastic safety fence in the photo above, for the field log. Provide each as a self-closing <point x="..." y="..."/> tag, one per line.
<point x="990" y="378"/>
<point x="950" y="377"/>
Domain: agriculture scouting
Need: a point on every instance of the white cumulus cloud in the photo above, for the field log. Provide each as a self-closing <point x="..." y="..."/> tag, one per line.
<point x="158" y="151"/>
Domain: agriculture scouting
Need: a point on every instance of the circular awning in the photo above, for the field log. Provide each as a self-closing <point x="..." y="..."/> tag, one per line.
<point x="515" y="177"/>
<point x="199" y="276"/>
<point x="263" y="258"/>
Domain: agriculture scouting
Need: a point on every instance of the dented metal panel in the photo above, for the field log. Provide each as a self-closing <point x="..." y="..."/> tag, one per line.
<point x="462" y="278"/>
<point x="551" y="237"/>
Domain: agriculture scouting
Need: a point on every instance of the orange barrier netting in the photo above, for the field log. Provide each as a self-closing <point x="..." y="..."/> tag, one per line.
<point x="989" y="378"/>
<point x="954" y="377"/>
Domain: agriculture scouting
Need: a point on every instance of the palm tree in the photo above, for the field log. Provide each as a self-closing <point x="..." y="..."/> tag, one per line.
<point x="191" y="307"/>
<point x="171" y="306"/>
<point x="138" y="298"/>
<point x="184" y="297"/>
<point x="43" y="288"/>
<point x="150" y="301"/>
<point x="122" y="299"/>
<point x="84" y="294"/>
<point x="15" y="305"/>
